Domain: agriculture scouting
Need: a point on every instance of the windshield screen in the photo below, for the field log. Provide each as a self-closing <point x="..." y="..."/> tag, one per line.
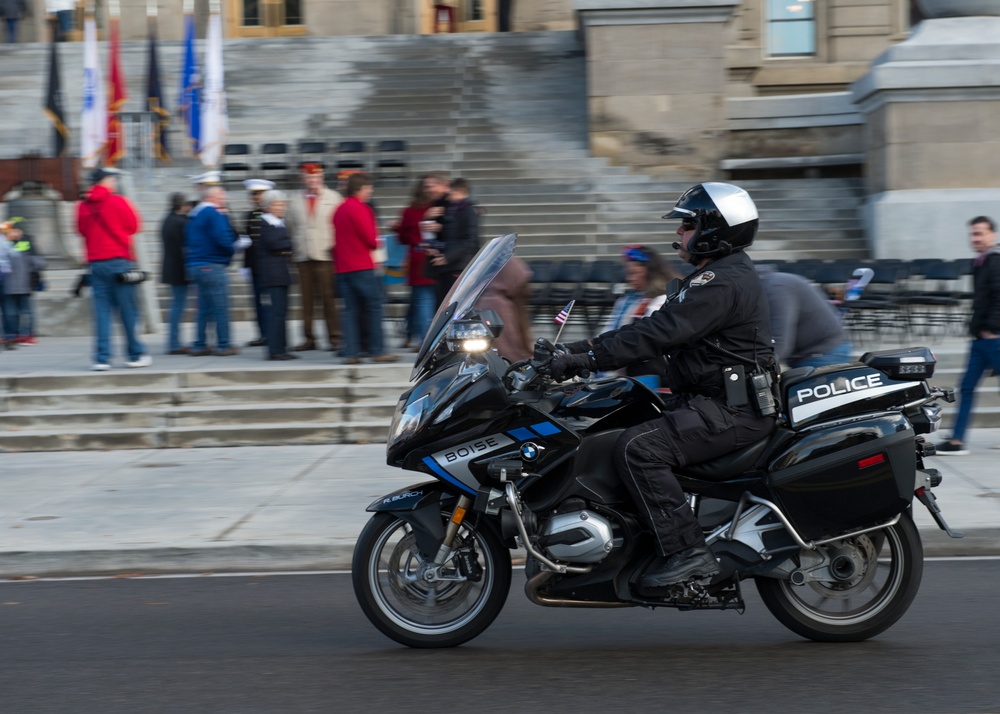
<point x="464" y="293"/>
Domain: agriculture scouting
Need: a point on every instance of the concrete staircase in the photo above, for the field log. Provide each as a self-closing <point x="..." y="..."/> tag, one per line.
<point x="252" y="403"/>
<point x="215" y="407"/>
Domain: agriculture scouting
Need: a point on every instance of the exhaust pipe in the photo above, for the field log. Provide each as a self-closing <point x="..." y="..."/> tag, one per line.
<point x="536" y="582"/>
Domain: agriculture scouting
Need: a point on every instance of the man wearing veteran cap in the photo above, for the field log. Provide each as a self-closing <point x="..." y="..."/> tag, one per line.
<point x="310" y="224"/>
<point x="107" y="223"/>
<point x="256" y="188"/>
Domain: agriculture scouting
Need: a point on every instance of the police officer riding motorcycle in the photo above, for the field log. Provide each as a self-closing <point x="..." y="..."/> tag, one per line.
<point x="714" y="331"/>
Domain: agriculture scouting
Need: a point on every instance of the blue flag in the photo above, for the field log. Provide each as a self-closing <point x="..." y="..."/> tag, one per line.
<point x="189" y="106"/>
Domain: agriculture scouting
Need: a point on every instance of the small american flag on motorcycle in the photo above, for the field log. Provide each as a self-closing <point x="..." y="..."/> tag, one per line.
<point x="564" y="313"/>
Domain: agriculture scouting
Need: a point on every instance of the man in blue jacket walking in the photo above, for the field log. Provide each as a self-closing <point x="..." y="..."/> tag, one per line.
<point x="209" y="244"/>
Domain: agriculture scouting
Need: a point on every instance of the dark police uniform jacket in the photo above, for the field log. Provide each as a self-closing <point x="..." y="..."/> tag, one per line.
<point x="250" y="256"/>
<point x="723" y="303"/>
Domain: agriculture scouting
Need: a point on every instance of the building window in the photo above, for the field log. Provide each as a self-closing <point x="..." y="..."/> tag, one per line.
<point x="791" y="28"/>
<point x="293" y="12"/>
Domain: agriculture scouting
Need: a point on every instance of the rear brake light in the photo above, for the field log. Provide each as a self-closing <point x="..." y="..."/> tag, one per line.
<point x="871" y="461"/>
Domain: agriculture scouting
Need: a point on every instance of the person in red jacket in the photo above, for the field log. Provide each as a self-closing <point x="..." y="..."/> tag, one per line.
<point x="356" y="237"/>
<point x="423" y="300"/>
<point x="107" y="223"/>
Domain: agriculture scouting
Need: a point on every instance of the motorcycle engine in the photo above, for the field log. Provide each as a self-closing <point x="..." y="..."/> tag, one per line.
<point x="577" y="536"/>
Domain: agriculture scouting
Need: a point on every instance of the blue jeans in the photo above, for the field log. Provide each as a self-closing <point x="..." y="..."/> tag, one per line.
<point x="983" y="355"/>
<point x="18" y="317"/>
<point x="109" y="294"/>
<point x="362" y="294"/>
<point x="423" y="303"/>
<point x="213" y="302"/>
<point x="840" y="354"/>
<point x="178" y="302"/>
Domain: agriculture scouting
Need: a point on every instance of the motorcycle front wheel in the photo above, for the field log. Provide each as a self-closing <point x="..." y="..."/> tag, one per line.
<point x="886" y="567"/>
<point x="410" y="602"/>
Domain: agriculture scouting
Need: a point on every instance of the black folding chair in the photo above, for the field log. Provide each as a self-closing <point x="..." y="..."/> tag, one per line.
<point x="312" y="151"/>
<point x="274" y="161"/>
<point x="235" y="162"/>
<point x="352" y="155"/>
<point x="597" y="294"/>
<point x="391" y="159"/>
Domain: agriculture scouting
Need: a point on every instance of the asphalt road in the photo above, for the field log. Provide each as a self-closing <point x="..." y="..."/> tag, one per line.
<point x="289" y="644"/>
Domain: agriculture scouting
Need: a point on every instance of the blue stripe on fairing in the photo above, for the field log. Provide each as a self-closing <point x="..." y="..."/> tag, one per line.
<point x="545" y="428"/>
<point x="521" y="434"/>
<point x="433" y="466"/>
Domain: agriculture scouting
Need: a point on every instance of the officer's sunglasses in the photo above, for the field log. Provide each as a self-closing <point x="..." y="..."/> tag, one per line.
<point x="689" y="225"/>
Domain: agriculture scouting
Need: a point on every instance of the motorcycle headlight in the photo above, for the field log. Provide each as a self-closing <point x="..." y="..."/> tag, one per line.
<point x="469" y="336"/>
<point x="408" y="418"/>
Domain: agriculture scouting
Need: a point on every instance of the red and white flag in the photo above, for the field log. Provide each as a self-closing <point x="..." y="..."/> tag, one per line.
<point x="564" y="313"/>
<point x="119" y="95"/>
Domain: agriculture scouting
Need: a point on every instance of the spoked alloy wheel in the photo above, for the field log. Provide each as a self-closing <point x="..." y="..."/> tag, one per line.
<point x="408" y="601"/>
<point x="880" y="576"/>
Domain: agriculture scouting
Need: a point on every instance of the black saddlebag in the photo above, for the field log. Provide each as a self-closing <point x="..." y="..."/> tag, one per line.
<point x="846" y="477"/>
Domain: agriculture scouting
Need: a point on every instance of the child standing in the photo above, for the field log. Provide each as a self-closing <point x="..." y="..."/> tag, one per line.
<point x="25" y="266"/>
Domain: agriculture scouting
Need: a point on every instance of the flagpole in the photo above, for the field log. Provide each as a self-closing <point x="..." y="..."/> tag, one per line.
<point x="189" y="105"/>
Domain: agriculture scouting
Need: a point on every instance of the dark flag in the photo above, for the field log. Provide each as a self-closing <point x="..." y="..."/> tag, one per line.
<point x="54" y="104"/>
<point x="154" y="100"/>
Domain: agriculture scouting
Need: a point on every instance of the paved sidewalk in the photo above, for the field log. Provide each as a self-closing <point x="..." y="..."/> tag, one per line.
<point x="280" y="507"/>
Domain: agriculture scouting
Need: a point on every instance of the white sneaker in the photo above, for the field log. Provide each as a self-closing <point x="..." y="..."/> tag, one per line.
<point x="100" y="367"/>
<point x="140" y="361"/>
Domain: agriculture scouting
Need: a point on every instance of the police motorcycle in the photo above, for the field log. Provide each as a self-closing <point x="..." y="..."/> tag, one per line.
<point x="818" y="515"/>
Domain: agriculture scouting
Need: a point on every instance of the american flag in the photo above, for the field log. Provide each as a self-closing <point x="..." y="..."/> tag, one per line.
<point x="564" y="313"/>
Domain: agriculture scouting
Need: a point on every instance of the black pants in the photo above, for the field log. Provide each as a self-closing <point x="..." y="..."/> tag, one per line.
<point x="692" y="432"/>
<point x="277" y="332"/>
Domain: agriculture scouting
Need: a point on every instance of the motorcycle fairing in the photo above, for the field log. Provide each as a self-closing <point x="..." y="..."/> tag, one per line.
<point x="420" y="506"/>
<point x="830" y="393"/>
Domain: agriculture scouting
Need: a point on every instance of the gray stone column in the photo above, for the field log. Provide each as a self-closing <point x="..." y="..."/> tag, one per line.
<point x="932" y="112"/>
<point x="656" y="82"/>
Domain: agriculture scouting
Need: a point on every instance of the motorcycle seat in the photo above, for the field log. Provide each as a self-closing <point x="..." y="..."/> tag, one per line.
<point x="729" y="465"/>
<point x="792" y="377"/>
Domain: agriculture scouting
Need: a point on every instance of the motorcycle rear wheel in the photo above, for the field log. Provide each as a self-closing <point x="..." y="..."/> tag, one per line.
<point x="388" y="575"/>
<point x="833" y="611"/>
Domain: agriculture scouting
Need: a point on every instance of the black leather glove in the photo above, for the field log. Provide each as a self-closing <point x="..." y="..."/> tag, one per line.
<point x="565" y="366"/>
<point x="575" y="348"/>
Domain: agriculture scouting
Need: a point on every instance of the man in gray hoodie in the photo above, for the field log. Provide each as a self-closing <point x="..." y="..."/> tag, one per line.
<point x="807" y="331"/>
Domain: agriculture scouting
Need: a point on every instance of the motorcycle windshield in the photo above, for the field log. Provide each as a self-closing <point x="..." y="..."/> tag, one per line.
<point x="464" y="294"/>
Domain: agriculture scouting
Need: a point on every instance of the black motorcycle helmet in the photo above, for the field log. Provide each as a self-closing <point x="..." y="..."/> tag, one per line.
<point x="725" y="219"/>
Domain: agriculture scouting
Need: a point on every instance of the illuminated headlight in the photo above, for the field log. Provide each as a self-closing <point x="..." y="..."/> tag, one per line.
<point x="469" y="337"/>
<point x="408" y="418"/>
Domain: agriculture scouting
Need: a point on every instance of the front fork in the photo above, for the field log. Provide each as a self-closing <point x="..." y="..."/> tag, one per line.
<point x="457" y="516"/>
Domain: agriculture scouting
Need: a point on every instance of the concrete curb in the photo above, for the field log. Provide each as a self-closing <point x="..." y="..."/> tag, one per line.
<point x="335" y="555"/>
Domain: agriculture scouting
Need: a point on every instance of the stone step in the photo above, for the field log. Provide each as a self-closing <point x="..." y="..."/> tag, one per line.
<point x="206" y="377"/>
<point x="74" y="420"/>
<point x="198" y="437"/>
<point x="282" y="393"/>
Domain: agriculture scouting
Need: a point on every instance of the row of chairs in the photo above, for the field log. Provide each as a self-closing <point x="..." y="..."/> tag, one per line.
<point x="923" y="296"/>
<point x="280" y="160"/>
<point x="554" y="283"/>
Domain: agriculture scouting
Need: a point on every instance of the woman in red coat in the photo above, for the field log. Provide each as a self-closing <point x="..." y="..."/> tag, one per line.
<point x="356" y="236"/>
<point x="422" y="300"/>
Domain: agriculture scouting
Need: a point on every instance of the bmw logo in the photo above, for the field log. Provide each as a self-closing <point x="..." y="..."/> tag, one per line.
<point x="530" y="451"/>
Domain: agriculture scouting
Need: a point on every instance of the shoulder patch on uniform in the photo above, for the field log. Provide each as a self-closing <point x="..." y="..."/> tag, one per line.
<point x="702" y="278"/>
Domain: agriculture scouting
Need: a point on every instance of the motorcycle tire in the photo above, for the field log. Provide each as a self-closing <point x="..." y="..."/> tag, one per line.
<point x="856" y="608"/>
<point x="388" y="575"/>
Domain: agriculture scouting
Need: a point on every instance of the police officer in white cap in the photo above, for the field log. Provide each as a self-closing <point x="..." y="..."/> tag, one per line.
<point x="256" y="188"/>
